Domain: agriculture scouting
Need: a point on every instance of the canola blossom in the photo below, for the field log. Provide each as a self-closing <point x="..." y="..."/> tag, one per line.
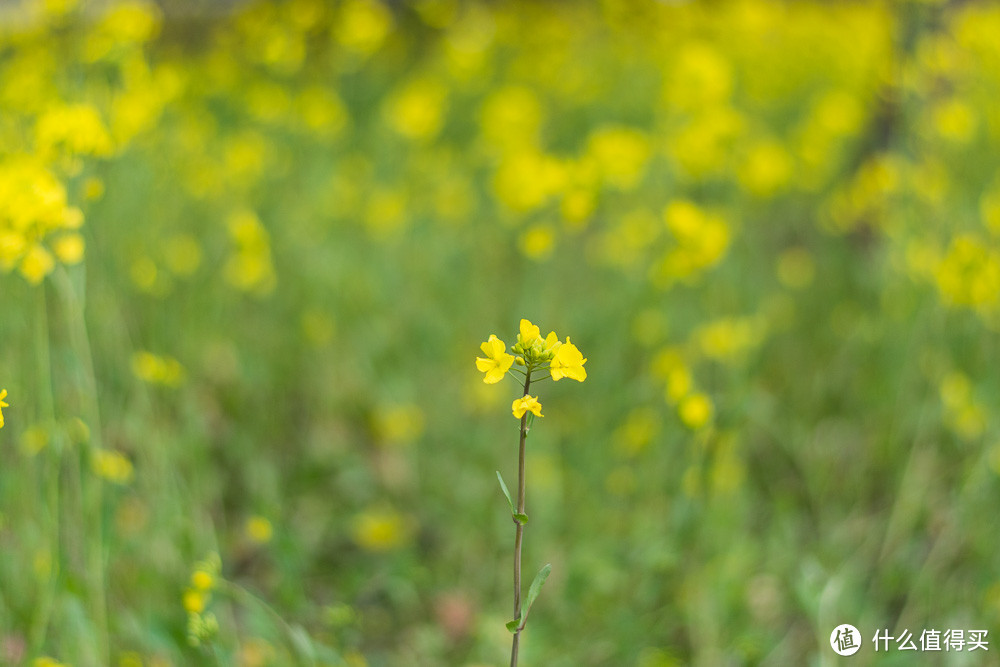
<point x="251" y="177"/>
<point x="497" y="361"/>
<point x="527" y="404"/>
<point x="568" y="362"/>
<point x="533" y="353"/>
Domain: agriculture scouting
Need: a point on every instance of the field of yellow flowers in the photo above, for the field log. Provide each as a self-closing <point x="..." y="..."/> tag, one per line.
<point x="249" y="252"/>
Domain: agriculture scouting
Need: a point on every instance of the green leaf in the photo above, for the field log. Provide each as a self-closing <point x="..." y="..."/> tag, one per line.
<point x="512" y="625"/>
<point x="521" y="518"/>
<point x="506" y="493"/>
<point x="536" y="587"/>
<point x="530" y="421"/>
<point x="302" y="642"/>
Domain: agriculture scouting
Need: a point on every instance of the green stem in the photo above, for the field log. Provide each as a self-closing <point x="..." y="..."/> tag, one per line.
<point x="80" y="342"/>
<point x="40" y="623"/>
<point x="519" y="527"/>
<point x="238" y="592"/>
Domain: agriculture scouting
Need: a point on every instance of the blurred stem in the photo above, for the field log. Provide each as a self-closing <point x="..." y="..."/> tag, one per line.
<point x="93" y="497"/>
<point x="519" y="527"/>
<point x="240" y="593"/>
<point x="46" y="400"/>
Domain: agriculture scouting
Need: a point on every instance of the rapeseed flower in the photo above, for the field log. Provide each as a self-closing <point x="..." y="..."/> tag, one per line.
<point x="497" y="361"/>
<point x="527" y="404"/>
<point x="3" y="404"/>
<point x="568" y="363"/>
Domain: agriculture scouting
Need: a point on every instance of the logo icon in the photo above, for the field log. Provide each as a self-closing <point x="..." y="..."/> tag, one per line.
<point x="845" y="639"/>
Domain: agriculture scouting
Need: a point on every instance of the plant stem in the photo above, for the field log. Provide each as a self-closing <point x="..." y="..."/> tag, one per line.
<point x="519" y="527"/>
<point x="52" y="463"/>
<point x="92" y="485"/>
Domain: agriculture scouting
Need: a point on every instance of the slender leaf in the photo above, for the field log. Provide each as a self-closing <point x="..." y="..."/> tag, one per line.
<point x="506" y="493"/>
<point x="536" y="587"/>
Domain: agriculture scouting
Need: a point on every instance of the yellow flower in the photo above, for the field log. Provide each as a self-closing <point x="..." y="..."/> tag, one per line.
<point x="3" y="404"/>
<point x="202" y="580"/>
<point x="527" y="404"/>
<point x="112" y="466"/>
<point x="497" y="361"/>
<point x="380" y="531"/>
<point x="259" y="529"/>
<point x="695" y="411"/>
<point x="550" y="345"/>
<point x="529" y="334"/>
<point x="568" y="362"/>
<point x="155" y="369"/>
<point x="195" y="601"/>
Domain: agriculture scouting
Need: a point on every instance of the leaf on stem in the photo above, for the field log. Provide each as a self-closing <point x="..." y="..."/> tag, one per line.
<point x="506" y="493"/>
<point x="521" y="518"/>
<point x="536" y="588"/>
<point x="512" y="625"/>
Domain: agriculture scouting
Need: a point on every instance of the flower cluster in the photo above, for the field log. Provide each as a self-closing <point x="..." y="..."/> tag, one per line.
<point x="202" y="626"/>
<point x="531" y="353"/>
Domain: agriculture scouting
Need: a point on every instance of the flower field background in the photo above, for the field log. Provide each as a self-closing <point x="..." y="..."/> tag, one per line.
<point x="248" y="253"/>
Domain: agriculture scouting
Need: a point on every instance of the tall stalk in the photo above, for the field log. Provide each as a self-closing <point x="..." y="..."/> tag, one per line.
<point x="519" y="530"/>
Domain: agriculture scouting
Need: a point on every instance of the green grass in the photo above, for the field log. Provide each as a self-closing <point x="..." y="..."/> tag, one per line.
<point x="847" y="471"/>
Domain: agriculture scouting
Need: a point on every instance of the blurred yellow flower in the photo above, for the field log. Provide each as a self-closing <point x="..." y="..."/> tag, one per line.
<point x="363" y="26"/>
<point x="111" y="466"/>
<point x="955" y="121"/>
<point x="399" y="424"/>
<point x="695" y="411"/>
<point x="511" y="117"/>
<point x="34" y="439"/>
<point x="729" y="338"/>
<point x="766" y="169"/>
<point x="46" y="661"/>
<point x="621" y="155"/>
<point x="497" y="361"/>
<point x="527" y="404"/>
<point x="202" y="580"/>
<point x="69" y="248"/>
<point x="3" y="404"/>
<point x="259" y="529"/>
<point x="379" y="530"/>
<point x="76" y="129"/>
<point x="640" y="427"/>
<point x="249" y="268"/>
<point x="526" y="179"/>
<point x="568" y="362"/>
<point x="182" y="254"/>
<point x="679" y="383"/>
<point x="322" y="111"/>
<point x="969" y="274"/>
<point x="36" y="264"/>
<point x="155" y="369"/>
<point x="194" y="601"/>
<point x="537" y="242"/>
<point x="417" y="110"/>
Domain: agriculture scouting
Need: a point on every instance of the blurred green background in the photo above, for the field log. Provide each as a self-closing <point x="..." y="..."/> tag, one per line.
<point x="250" y="250"/>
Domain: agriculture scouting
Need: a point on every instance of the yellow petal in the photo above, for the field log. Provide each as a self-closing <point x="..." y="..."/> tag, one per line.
<point x="529" y="333"/>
